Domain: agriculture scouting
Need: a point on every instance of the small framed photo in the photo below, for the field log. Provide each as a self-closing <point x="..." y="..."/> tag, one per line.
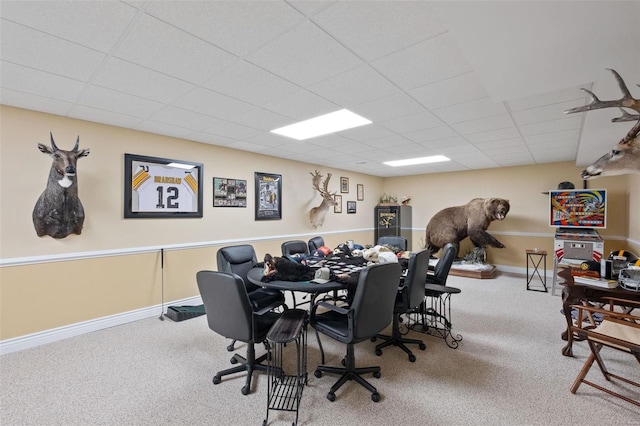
<point x="351" y="207"/>
<point x="338" y="207"/>
<point x="360" y="192"/>
<point x="344" y="185"/>
<point x="268" y="196"/>
<point x="229" y="192"/>
<point x="161" y="188"/>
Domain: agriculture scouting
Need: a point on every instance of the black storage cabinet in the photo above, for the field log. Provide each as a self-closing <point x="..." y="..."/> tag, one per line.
<point x="393" y="220"/>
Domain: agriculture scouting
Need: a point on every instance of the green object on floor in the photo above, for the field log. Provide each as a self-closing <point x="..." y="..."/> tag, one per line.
<point x="181" y="313"/>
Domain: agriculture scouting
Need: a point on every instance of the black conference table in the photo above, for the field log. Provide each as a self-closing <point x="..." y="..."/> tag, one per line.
<point x="255" y="276"/>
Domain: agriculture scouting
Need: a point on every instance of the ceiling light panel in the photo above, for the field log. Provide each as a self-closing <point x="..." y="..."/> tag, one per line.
<point x="322" y="125"/>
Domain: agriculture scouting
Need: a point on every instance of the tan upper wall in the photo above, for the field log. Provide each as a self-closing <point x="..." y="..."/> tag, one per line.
<point x="24" y="172"/>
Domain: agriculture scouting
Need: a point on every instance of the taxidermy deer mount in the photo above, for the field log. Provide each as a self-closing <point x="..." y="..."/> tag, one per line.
<point x="317" y="214"/>
<point x="625" y="156"/>
<point x="59" y="212"/>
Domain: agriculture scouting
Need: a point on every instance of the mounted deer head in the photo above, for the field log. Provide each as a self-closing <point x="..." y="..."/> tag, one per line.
<point x="625" y="156"/>
<point x="317" y="214"/>
<point x="59" y="212"/>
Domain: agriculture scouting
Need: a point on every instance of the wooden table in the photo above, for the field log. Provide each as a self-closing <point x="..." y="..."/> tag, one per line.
<point x="573" y="294"/>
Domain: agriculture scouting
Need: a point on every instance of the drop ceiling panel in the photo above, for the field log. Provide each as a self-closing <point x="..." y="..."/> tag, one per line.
<point x="356" y="86"/>
<point x="40" y="83"/>
<point x="112" y="118"/>
<point x="24" y="46"/>
<point x="301" y="105"/>
<point x="97" y="25"/>
<point x="305" y="55"/>
<point x="250" y="83"/>
<point x="388" y="108"/>
<point x="127" y="77"/>
<point x="472" y="110"/>
<point x="417" y="65"/>
<point x="118" y="102"/>
<point x="375" y="29"/>
<point x="451" y="91"/>
<point x="164" y="48"/>
<point x="208" y="102"/>
<point x="239" y="27"/>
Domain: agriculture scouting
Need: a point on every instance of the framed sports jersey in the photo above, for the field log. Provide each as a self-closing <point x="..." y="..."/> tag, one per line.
<point x="161" y="188"/>
<point x="268" y="196"/>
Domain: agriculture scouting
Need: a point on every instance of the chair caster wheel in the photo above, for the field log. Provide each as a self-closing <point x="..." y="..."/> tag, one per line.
<point x="331" y="396"/>
<point x="264" y="422"/>
<point x="375" y="397"/>
<point x="377" y="374"/>
<point x="422" y="346"/>
<point x="412" y="358"/>
<point x="245" y="390"/>
<point x="343" y="362"/>
<point x="317" y="373"/>
<point x="373" y="339"/>
<point x="216" y="380"/>
<point x="233" y="360"/>
<point x="379" y="352"/>
<point x="230" y="348"/>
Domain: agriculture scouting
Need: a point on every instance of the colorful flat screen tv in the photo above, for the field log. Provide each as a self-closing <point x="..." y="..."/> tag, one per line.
<point x="578" y="208"/>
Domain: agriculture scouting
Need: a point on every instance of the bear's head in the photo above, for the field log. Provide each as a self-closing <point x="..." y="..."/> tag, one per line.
<point x="497" y="208"/>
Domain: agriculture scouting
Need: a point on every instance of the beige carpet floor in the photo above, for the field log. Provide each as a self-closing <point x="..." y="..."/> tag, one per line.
<point x="508" y="370"/>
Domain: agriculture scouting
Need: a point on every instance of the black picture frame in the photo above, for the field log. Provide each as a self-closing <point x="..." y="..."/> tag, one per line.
<point x="351" y="207"/>
<point x="229" y="192"/>
<point x="268" y="196"/>
<point x="161" y="188"/>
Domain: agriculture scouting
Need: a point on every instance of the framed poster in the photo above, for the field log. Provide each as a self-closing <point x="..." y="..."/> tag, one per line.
<point x="229" y="192"/>
<point x="161" y="188"/>
<point x="268" y="196"/>
<point x="344" y="185"/>
<point x="351" y="207"/>
<point x="360" y="192"/>
<point x="338" y="207"/>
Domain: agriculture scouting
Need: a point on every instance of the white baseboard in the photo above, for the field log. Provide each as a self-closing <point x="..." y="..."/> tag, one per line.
<point x="60" y="333"/>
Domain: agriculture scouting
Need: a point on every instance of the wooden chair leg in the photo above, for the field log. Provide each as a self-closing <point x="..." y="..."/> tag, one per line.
<point x="595" y="350"/>
<point x="583" y="373"/>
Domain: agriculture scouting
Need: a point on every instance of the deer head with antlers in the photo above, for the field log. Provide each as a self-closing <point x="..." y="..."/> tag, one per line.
<point x="625" y="156"/>
<point x="317" y="214"/>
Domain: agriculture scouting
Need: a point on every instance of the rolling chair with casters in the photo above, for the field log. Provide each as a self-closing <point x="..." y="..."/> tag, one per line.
<point x="438" y="295"/>
<point x="239" y="260"/>
<point x="370" y="313"/>
<point x="394" y="241"/>
<point x="315" y="243"/>
<point x="408" y="299"/>
<point x="293" y="247"/>
<point x="230" y="314"/>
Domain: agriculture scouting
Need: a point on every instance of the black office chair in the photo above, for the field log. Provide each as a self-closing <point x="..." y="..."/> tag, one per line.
<point x="438" y="298"/>
<point x="315" y="243"/>
<point x="239" y="260"/>
<point x="370" y="313"/>
<point x="230" y="314"/>
<point x="293" y="247"/>
<point x="408" y="299"/>
<point x="394" y="241"/>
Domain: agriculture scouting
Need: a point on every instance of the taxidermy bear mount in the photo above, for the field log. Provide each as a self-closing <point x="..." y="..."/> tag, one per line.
<point x="454" y="224"/>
